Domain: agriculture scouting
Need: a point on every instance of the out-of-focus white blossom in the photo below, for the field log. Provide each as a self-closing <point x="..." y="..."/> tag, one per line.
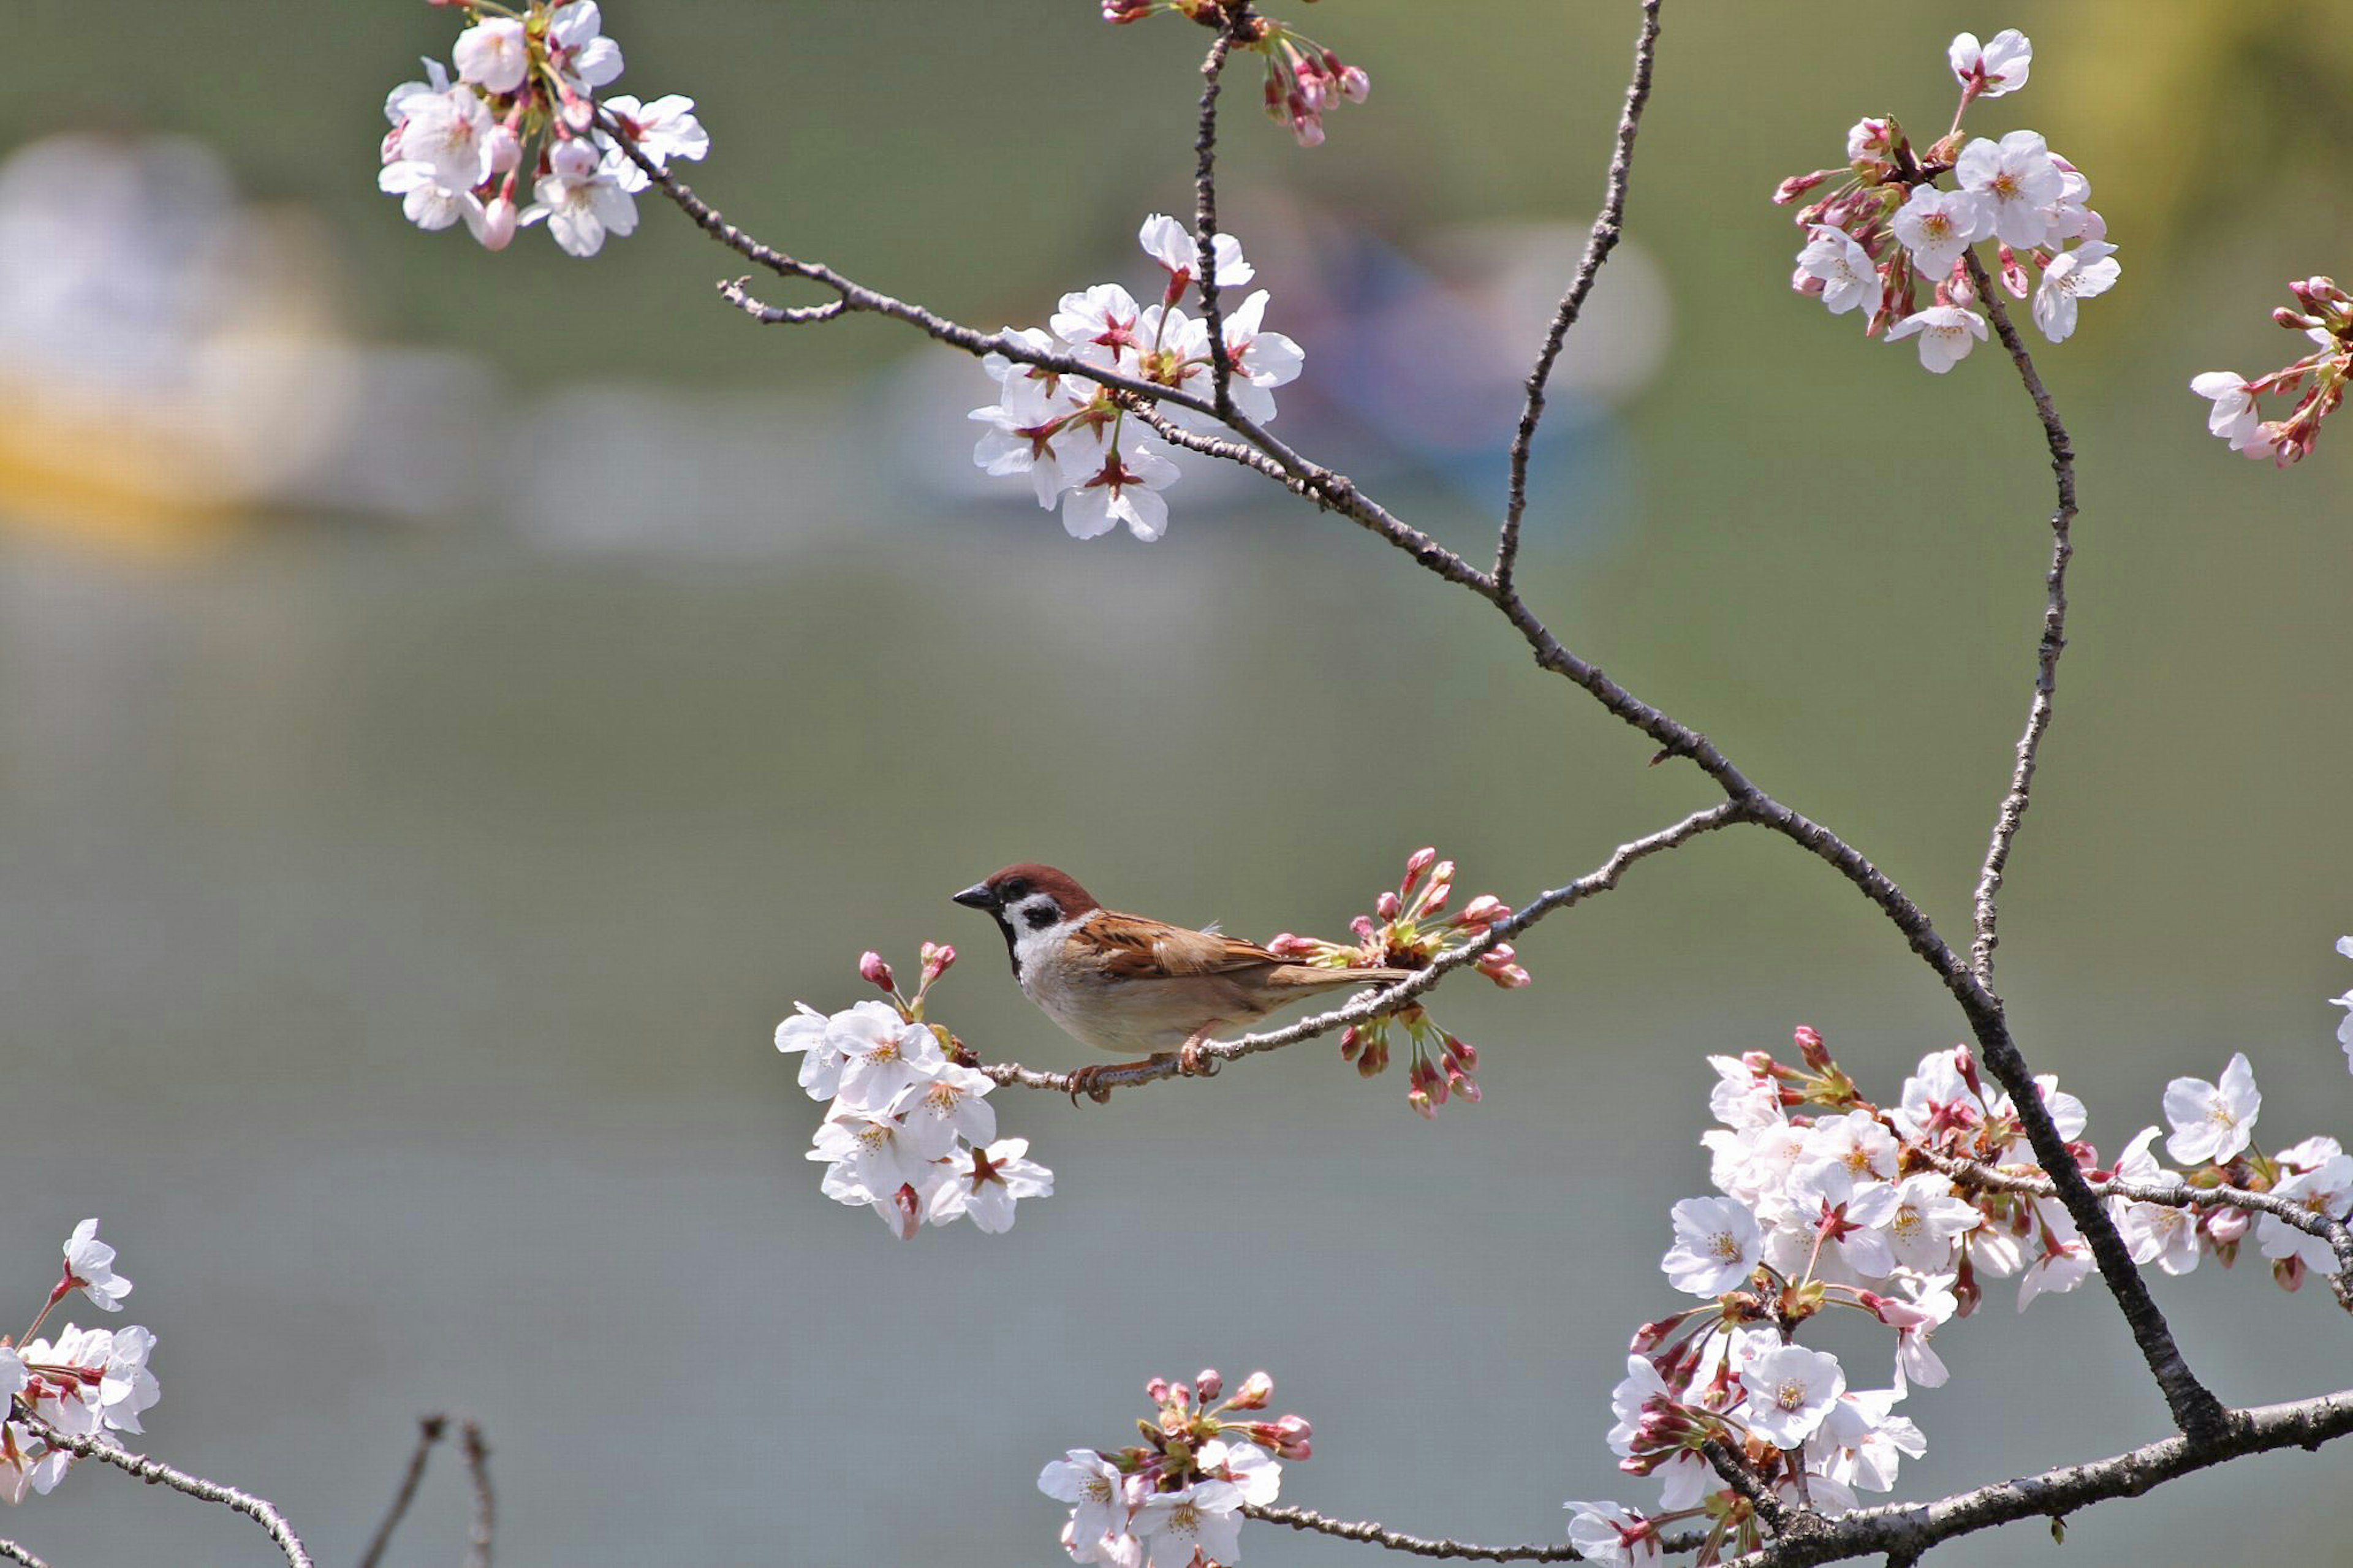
<point x="1994" y="69"/>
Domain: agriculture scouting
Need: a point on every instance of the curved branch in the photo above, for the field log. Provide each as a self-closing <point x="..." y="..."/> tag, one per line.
<point x="1904" y="1531"/>
<point x="479" y="1529"/>
<point x="259" y="1509"/>
<point x="1373" y="1004"/>
<point x="15" y="1553"/>
<point x="1599" y="241"/>
<point x="2012" y="810"/>
<point x="429" y="1431"/>
<point x="2194" y="1407"/>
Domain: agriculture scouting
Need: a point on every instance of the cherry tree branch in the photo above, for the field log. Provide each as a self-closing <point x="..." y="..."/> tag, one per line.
<point x="484" y="1522"/>
<point x="1369" y="1533"/>
<point x="1373" y="1004"/>
<point x="2012" y="812"/>
<point x="155" y="1473"/>
<point x="1599" y="241"/>
<point x="2180" y="1195"/>
<point x="2195" y="1408"/>
<point x="1204" y="210"/>
<point x="1902" y="1532"/>
<point x="15" y="1553"/>
<point x="430" y="1430"/>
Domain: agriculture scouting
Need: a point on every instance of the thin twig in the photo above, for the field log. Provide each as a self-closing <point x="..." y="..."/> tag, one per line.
<point x="486" y="1513"/>
<point x="155" y="1473"/>
<point x="2012" y="812"/>
<point x="1599" y="241"/>
<point x="15" y="1553"/>
<point x="1204" y="210"/>
<point x="1373" y="1004"/>
<point x="737" y="293"/>
<point x="2180" y="1195"/>
<point x="429" y="1431"/>
<point x="1371" y="1534"/>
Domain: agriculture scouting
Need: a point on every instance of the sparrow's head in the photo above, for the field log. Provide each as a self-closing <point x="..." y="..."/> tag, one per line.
<point x="1028" y="898"/>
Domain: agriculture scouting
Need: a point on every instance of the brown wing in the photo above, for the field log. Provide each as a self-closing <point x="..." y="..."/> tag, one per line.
<point x="1135" y="948"/>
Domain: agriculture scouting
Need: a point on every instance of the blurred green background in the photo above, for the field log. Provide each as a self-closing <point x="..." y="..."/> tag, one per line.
<point x="397" y="895"/>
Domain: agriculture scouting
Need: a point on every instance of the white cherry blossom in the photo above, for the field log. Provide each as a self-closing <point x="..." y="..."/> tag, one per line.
<point x="2088" y="270"/>
<point x="1946" y="334"/>
<point x="1603" y="1533"/>
<point x="581" y="200"/>
<point x="2065" y="1262"/>
<point x="2162" y="1233"/>
<point x="984" y="1184"/>
<point x="579" y="48"/>
<point x="870" y="1155"/>
<point x="2233" y="416"/>
<point x="1717" y="1246"/>
<point x="1096" y="1490"/>
<point x="1928" y="1216"/>
<point x="1936" y="225"/>
<point x="948" y="1104"/>
<point x="1125" y="489"/>
<point x="1850" y="278"/>
<point x="450" y="133"/>
<point x="1103" y="318"/>
<point x="662" y="130"/>
<point x="2016" y="181"/>
<point x="1172" y="244"/>
<point x="1256" y="1473"/>
<point x="493" y="54"/>
<point x="1863" y="1441"/>
<point x="89" y="1265"/>
<point x="881" y="1053"/>
<point x="1206" y="1517"/>
<point x="1792" y="1391"/>
<point x="1995" y="68"/>
<point x="2326" y="1191"/>
<point x="2213" y="1121"/>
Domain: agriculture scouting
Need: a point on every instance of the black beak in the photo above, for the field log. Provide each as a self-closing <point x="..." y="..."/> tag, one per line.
<point x="978" y="897"/>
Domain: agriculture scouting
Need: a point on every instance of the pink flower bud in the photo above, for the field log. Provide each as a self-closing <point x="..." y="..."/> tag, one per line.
<point x="2013" y="275"/>
<point x="937" y="961"/>
<point x="1965" y="1062"/>
<point x="1255" y="1390"/>
<point x="1388" y="907"/>
<point x="2225" y="1224"/>
<point x="1810" y="1045"/>
<point x="1180" y="1394"/>
<point x="1483" y="911"/>
<point x="2288" y="1272"/>
<point x="1796" y="185"/>
<point x="875" y="973"/>
<point x="1349" y="1044"/>
<point x="1464" y="1052"/>
<point x="495" y="229"/>
<point x="1210" y="1384"/>
<point x="1418" y="862"/>
<point x="1363" y="927"/>
<point x="1419" y="1102"/>
<point x="1355" y="85"/>
<point x="1463" y="1084"/>
<point x="908" y="1212"/>
<point x="1157" y="1391"/>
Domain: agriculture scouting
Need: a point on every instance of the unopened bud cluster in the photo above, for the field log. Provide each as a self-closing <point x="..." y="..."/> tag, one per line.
<point x="524" y="100"/>
<point x="1885" y="230"/>
<point x="1410" y="929"/>
<point x="1175" y="1498"/>
<point x="910" y="1132"/>
<point x="2324" y="313"/>
<point x="1827" y="1201"/>
<point x="81" y="1383"/>
<point x="1303" y="78"/>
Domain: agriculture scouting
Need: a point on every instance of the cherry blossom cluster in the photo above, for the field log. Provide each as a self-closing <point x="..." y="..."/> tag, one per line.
<point x="82" y="1382"/>
<point x="2317" y="381"/>
<point x="1302" y="77"/>
<point x="1176" y="1500"/>
<point x="910" y="1132"/>
<point x="1408" y="928"/>
<point x="524" y="99"/>
<point x="2213" y="1132"/>
<point x="1827" y="1201"/>
<point x="1886" y="228"/>
<point x="1073" y="437"/>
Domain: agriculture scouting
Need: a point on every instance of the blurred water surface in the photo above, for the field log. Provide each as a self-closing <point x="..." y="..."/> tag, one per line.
<point x="392" y="920"/>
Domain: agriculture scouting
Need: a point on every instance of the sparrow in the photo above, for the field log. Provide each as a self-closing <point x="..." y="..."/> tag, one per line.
<point x="1128" y="983"/>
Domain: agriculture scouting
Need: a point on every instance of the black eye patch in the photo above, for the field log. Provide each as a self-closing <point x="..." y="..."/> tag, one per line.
<point x="1039" y="919"/>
